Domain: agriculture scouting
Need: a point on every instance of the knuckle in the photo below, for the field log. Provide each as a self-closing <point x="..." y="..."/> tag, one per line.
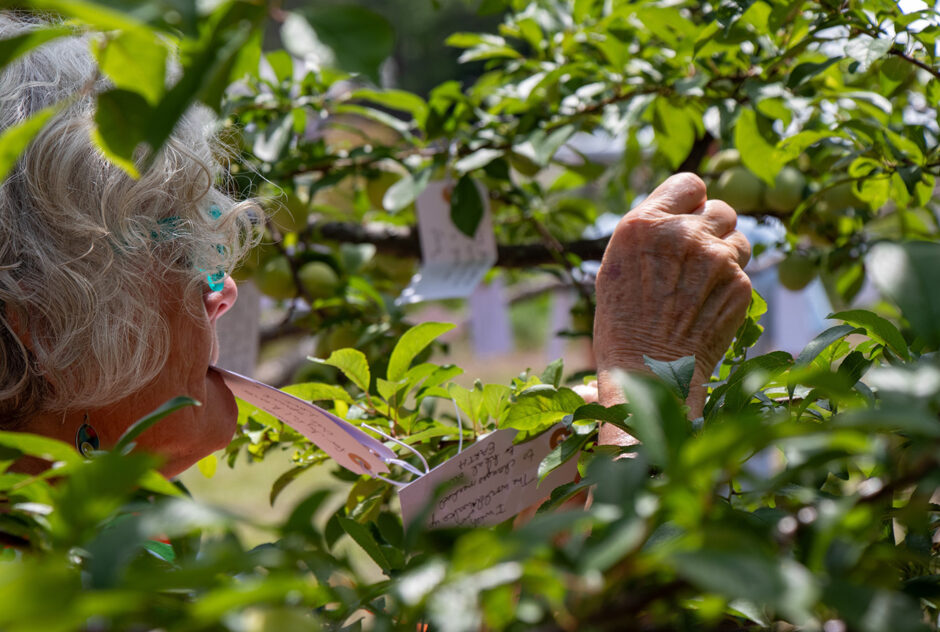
<point x="633" y="229"/>
<point x="741" y="285"/>
<point x="693" y="184"/>
<point x="722" y="211"/>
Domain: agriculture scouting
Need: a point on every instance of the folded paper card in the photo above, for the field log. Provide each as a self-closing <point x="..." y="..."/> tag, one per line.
<point x="488" y="482"/>
<point x="452" y="264"/>
<point x="346" y="444"/>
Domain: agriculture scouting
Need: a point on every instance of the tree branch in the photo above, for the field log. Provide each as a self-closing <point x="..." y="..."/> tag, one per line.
<point x="404" y="242"/>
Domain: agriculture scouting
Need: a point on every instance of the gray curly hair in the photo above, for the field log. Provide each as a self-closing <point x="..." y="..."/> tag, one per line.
<point x="83" y="246"/>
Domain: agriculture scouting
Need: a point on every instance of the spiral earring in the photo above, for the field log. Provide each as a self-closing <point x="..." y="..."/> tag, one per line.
<point x="86" y="439"/>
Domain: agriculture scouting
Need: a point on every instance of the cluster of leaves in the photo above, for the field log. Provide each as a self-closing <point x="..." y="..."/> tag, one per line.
<point x="834" y="528"/>
<point x="845" y="92"/>
<point x="804" y="494"/>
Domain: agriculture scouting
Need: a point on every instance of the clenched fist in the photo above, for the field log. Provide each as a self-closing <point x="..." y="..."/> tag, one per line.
<point x="671" y="284"/>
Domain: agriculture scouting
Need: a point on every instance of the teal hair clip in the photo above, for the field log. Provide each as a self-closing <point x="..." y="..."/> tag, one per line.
<point x="168" y="228"/>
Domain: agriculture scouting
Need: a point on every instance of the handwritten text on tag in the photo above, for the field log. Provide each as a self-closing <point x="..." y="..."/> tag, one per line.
<point x="347" y="445"/>
<point x="493" y="481"/>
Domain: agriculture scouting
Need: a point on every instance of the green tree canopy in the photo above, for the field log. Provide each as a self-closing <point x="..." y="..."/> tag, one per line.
<point x="823" y="115"/>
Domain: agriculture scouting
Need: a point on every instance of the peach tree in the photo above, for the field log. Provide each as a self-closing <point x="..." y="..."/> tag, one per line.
<point x="820" y="115"/>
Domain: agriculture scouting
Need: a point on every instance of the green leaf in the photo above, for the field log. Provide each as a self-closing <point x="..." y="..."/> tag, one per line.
<point x="866" y="49"/>
<point x="142" y="424"/>
<point x="540" y="407"/>
<point x="553" y="373"/>
<point x="353" y="364"/>
<point x="674" y="129"/>
<point x="562" y="453"/>
<point x="779" y="583"/>
<point x="658" y="419"/>
<point x="283" y="481"/>
<point x="912" y="422"/>
<point x="615" y="414"/>
<point x="821" y="342"/>
<point x="878" y="328"/>
<point x="411" y="343"/>
<point x="51" y="450"/>
<point x="477" y="160"/>
<point x="208" y="465"/>
<point x="870" y="608"/>
<point x="121" y="120"/>
<point x="207" y="66"/>
<point x="396" y="100"/>
<point x="893" y="72"/>
<point x="281" y="63"/>
<point x="346" y="37"/>
<point x="135" y="61"/>
<point x="13" y="47"/>
<point x="469" y="40"/>
<point x="466" y="206"/>
<point x="808" y="70"/>
<point x="677" y="373"/>
<point x="495" y="398"/>
<point x="470" y="401"/>
<point x="96" y="14"/>
<point x="364" y="539"/>
<point x="904" y="274"/>
<point x="156" y="483"/>
<point x="94" y="491"/>
<point x="760" y="156"/>
<point x="14" y="140"/>
<point x="405" y="191"/>
<point x="740" y="386"/>
<point x="317" y="391"/>
<point x="540" y="146"/>
<point x="270" y="144"/>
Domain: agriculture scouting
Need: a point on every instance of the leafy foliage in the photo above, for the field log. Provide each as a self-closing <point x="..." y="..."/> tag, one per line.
<point x="686" y="533"/>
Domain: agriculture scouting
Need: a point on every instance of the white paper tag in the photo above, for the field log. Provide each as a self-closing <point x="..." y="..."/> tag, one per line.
<point x="452" y="264"/>
<point x="347" y="445"/>
<point x="499" y="480"/>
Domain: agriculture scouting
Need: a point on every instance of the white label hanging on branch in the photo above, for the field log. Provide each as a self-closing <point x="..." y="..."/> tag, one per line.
<point x="452" y="263"/>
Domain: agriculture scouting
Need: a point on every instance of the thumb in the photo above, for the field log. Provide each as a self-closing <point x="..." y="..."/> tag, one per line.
<point x="680" y="194"/>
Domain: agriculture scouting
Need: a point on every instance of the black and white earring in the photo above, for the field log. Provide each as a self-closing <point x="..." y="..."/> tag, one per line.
<point x="86" y="439"/>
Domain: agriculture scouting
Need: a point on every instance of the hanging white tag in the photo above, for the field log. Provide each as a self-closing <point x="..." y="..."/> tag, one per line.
<point x="494" y="480"/>
<point x="452" y="264"/>
<point x="346" y="444"/>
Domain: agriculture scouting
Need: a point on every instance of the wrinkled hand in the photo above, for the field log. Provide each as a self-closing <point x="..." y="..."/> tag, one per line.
<point x="671" y="284"/>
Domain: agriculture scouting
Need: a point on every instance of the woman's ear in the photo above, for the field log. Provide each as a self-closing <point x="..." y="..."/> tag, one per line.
<point x="217" y="303"/>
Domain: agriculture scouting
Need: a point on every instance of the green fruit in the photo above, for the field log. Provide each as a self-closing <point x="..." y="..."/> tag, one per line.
<point x="274" y="278"/>
<point x="399" y="270"/>
<point x="244" y="271"/>
<point x="343" y="336"/>
<point x="377" y="186"/>
<point x="338" y="337"/>
<point x="787" y="192"/>
<point x="741" y="189"/>
<point x="840" y="197"/>
<point x="796" y="271"/>
<point x="524" y="165"/>
<point x="290" y="215"/>
<point x="315" y="372"/>
<point x="255" y="258"/>
<point x="318" y="279"/>
<point x="340" y="196"/>
<point x="724" y="160"/>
